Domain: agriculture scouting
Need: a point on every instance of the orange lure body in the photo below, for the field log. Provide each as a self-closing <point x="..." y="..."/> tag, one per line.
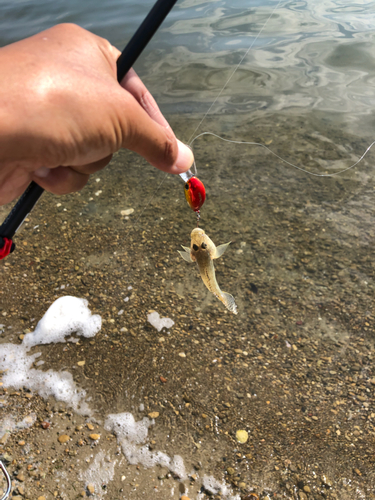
<point x="195" y="193"/>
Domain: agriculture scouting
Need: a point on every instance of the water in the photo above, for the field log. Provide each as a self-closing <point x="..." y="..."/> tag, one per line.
<point x="295" y="367"/>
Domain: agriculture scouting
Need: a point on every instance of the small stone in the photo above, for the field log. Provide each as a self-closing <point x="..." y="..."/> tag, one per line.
<point x="302" y="495"/>
<point x="258" y="311"/>
<point x="20" y="477"/>
<point x="90" y="426"/>
<point x="91" y="489"/>
<point x="184" y="497"/>
<point x="79" y="427"/>
<point x="153" y="414"/>
<point x="326" y="481"/>
<point x="242" y="436"/>
<point x="242" y="485"/>
<point x="22" y="442"/>
<point x="94" y="437"/>
<point x="45" y="425"/>
<point x="230" y="471"/>
<point x="21" y="490"/>
<point x="306" y="489"/>
<point x="81" y="363"/>
<point x="42" y="498"/>
<point x="182" y="355"/>
<point x="64" y="438"/>
<point x="128" y="211"/>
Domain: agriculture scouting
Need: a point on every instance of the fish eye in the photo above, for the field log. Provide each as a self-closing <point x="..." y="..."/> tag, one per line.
<point x="204" y="246"/>
<point x="195" y="247"/>
<point x="186" y="186"/>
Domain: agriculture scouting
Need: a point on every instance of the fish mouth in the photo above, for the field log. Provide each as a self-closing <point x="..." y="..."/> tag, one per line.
<point x="197" y="231"/>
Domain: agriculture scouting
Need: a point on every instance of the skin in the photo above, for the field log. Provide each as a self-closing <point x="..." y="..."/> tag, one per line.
<point x="63" y="114"/>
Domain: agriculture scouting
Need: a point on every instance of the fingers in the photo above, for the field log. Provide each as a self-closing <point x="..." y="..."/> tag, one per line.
<point x="60" y="180"/>
<point x="149" y="138"/>
<point x="133" y="84"/>
<point x="64" y="180"/>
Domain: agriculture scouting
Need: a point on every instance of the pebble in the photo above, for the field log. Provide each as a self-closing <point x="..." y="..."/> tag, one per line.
<point x="20" y="477"/>
<point x="153" y="414"/>
<point x="64" y="438"/>
<point x="91" y="488"/>
<point x="42" y="498"/>
<point x="94" y="437"/>
<point x="326" y="481"/>
<point x="230" y="471"/>
<point x="182" y="355"/>
<point x="184" y="497"/>
<point x="306" y="489"/>
<point x="91" y="427"/>
<point x="81" y="363"/>
<point x="128" y="211"/>
<point x="242" y="436"/>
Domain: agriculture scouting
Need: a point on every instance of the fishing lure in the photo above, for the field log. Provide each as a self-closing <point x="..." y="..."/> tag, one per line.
<point x="195" y="193"/>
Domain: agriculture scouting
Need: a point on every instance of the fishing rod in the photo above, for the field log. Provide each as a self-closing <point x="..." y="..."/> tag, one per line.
<point x="126" y="60"/>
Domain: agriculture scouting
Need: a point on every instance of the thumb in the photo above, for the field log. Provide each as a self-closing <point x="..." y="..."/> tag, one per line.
<point x="155" y="142"/>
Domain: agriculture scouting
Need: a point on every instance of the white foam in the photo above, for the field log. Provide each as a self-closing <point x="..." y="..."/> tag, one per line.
<point x="100" y="472"/>
<point x="131" y="434"/>
<point x="65" y="316"/>
<point x="9" y="423"/>
<point x="16" y="363"/>
<point x="215" y="487"/>
<point x="158" y="322"/>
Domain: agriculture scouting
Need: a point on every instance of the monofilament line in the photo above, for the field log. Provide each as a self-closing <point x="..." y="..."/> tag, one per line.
<point x="233" y="72"/>
<point x="286" y="161"/>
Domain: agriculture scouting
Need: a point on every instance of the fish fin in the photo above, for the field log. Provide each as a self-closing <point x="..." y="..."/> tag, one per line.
<point x="228" y="300"/>
<point x="187" y="249"/>
<point x="220" y="250"/>
<point x="185" y="255"/>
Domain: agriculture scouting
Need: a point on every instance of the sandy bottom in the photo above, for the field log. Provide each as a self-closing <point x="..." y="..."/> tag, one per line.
<point x="294" y="368"/>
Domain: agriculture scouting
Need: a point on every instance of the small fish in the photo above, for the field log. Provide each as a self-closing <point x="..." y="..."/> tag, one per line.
<point x="203" y="251"/>
<point x="195" y="193"/>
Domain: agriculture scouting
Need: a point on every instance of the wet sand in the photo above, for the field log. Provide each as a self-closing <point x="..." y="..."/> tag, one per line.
<point x="294" y="368"/>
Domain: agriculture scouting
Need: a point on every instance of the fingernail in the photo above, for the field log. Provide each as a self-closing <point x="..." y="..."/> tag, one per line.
<point x="185" y="158"/>
<point x="42" y="172"/>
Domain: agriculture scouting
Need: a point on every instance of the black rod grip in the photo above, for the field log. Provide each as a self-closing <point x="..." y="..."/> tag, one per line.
<point x="20" y="210"/>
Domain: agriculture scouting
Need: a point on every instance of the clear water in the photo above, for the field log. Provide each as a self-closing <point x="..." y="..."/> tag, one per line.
<point x="301" y="261"/>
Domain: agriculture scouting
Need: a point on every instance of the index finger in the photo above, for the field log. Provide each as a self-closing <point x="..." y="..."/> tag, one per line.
<point x="134" y="85"/>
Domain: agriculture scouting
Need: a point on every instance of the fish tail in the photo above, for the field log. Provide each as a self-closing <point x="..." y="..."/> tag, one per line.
<point x="228" y="300"/>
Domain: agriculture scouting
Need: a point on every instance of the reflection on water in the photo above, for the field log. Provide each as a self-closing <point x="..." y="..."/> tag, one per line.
<point x="295" y="368"/>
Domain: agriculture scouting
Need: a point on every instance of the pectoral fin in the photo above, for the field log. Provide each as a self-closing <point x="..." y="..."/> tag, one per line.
<point x="186" y="254"/>
<point x="220" y="250"/>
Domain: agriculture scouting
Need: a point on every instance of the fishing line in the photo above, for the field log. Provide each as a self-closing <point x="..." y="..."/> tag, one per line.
<point x="233" y="72"/>
<point x="282" y="159"/>
<point x="191" y="140"/>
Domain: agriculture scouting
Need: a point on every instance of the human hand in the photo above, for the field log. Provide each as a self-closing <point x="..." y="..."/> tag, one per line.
<point x="63" y="114"/>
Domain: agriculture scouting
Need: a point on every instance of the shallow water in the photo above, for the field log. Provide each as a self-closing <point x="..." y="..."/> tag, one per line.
<point x="295" y="367"/>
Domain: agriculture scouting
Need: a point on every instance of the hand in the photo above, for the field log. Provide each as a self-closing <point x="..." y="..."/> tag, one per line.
<point x="63" y="114"/>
